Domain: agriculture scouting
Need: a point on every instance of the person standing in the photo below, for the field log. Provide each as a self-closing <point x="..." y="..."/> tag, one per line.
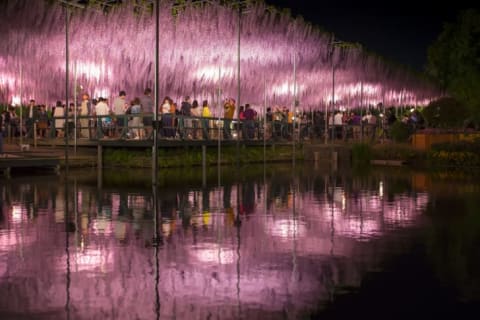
<point x="31" y="117"/>
<point x="196" y="112"/>
<point x="85" y="110"/>
<point x="185" y="120"/>
<point x="250" y="117"/>
<point x="136" y="122"/>
<point x="146" y="102"/>
<point x="42" y="121"/>
<point x="102" y="112"/>
<point x="228" y="112"/>
<point x="206" y="114"/>
<point x="168" y="129"/>
<point x="59" y="119"/>
<point x="119" y="107"/>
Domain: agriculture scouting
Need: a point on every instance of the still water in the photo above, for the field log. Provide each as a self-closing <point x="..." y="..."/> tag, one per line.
<point x="254" y="243"/>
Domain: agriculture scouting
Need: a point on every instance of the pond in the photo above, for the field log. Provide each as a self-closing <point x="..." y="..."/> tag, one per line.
<point x="246" y="243"/>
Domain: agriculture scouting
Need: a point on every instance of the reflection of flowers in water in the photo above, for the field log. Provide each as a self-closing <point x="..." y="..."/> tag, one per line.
<point x="120" y="230"/>
<point x="405" y="209"/>
<point x="90" y="260"/>
<point x="102" y="225"/>
<point x="287" y="228"/>
<point x="168" y="226"/>
<point x="214" y="254"/>
<point x="204" y="219"/>
<point x="358" y="227"/>
<point x="17" y="214"/>
<point x="11" y="238"/>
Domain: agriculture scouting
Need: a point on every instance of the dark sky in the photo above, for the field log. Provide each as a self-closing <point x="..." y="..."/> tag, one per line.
<point x="400" y="31"/>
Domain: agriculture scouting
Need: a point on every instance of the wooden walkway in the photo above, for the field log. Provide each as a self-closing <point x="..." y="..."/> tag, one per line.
<point x="148" y="143"/>
<point x="48" y="154"/>
<point x="27" y="160"/>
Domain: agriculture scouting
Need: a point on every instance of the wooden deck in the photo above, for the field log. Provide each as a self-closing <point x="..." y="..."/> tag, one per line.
<point x="26" y="160"/>
<point x="148" y="143"/>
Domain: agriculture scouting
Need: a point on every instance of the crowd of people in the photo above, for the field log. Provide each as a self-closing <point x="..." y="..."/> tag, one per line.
<point x="134" y="119"/>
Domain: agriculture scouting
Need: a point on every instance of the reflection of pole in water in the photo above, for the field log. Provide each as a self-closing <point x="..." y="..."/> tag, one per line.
<point x="67" y="276"/>
<point x="156" y="242"/>
<point x="332" y="215"/>
<point x="238" y="224"/>
<point x="295" y="226"/>
<point x="68" y="229"/>
<point x="75" y="210"/>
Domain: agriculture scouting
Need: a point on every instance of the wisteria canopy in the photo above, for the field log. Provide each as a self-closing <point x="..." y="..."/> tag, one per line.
<point x="281" y="59"/>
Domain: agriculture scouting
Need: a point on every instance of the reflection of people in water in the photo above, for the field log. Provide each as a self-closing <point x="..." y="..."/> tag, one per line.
<point x="278" y="190"/>
<point x="169" y="206"/>
<point x="1" y="211"/>
<point x="246" y="204"/>
<point x="205" y="200"/>
<point x="123" y="204"/>
<point x="185" y="208"/>
<point x="206" y="215"/>
<point x="248" y="197"/>
<point x="227" y="196"/>
<point x="227" y="205"/>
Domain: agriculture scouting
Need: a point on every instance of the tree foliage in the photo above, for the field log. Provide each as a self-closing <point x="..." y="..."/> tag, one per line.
<point x="454" y="60"/>
<point x="447" y="113"/>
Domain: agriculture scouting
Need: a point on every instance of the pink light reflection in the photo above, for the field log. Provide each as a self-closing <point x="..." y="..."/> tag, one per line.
<point x="89" y="260"/>
<point x="213" y="254"/>
<point x="102" y="225"/>
<point x="18" y="213"/>
<point x="286" y="229"/>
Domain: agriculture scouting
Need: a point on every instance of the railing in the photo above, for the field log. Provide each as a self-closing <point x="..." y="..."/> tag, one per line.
<point x="179" y="127"/>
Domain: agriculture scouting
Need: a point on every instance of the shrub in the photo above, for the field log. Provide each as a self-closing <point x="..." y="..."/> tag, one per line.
<point x="400" y="132"/>
<point x="361" y="154"/>
<point x="446" y="113"/>
<point x="456" y="154"/>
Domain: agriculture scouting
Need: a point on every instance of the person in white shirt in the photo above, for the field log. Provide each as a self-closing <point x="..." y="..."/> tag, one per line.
<point x="119" y="106"/>
<point x="102" y="111"/>
<point x="338" y="123"/>
<point x="59" y="116"/>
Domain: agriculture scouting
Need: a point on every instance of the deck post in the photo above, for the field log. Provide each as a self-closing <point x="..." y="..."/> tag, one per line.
<point x="99" y="156"/>
<point x="6" y="172"/>
<point x="204" y="165"/>
<point x="99" y="166"/>
<point x="35" y="134"/>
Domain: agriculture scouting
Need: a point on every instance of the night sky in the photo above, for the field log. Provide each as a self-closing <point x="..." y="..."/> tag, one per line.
<point x="398" y="31"/>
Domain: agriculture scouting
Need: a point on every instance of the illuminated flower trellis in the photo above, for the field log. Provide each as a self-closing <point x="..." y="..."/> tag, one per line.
<point x="198" y="56"/>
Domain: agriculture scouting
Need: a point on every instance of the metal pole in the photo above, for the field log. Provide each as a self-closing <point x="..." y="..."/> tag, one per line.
<point x="65" y="111"/>
<point x="155" y="113"/>
<point x="361" y="110"/>
<point x="264" y="119"/>
<point x="333" y="85"/>
<point x="294" y="105"/>
<point x="238" y="81"/>
<point x="75" y="107"/>
<point x="21" y="106"/>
